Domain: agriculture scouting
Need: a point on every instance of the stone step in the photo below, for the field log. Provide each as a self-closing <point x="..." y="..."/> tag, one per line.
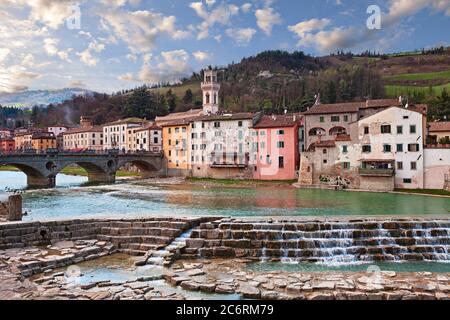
<point x="136" y="239"/>
<point x="141" y="231"/>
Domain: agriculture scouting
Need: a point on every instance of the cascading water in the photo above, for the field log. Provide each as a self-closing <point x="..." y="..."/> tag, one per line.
<point x="159" y="257"/>
<point x="352" y="243"/>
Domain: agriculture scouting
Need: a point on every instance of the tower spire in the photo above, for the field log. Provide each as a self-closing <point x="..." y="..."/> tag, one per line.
<point x="210" y="88"/>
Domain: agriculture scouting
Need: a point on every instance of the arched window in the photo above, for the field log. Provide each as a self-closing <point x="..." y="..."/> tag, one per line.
<point x="317" y="132"/>
<point x="207" y="98"/>
<point x="335" y="131"/>
<point x="215" y="98"/>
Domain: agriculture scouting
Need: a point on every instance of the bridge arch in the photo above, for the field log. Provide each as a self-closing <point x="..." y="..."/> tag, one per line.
<point x="146" y="168"/>
<point x="35" y="176"/>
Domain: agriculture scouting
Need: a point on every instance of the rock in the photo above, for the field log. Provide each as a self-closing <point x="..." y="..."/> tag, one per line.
<point x="250" y="292"/>
<point x="280" y="283"/>
<point x="394" y="296"/>
<point x="205" y="287"/>
<point x="295" y="287"/>
<point x="190" y="285"/>
<point x="136" y="285"/>
<point x="426" y="287"/>
<point x="321" y="296"/>
<point x="195" y="272"/>
<point x="390" y="274"/>
<point x="224" y="289"/>
<point x="270" y="295"/>
<point x="268" y="286"/>
<point x="356" y="296"/>
<point x="98" y="295"/>
<point x="375" y="296"/>
<point x="324" y="285"/>
<point x="442" y="296"/>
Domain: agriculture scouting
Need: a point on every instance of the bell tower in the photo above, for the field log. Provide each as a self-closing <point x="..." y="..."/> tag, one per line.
<point x="210" y="88"/>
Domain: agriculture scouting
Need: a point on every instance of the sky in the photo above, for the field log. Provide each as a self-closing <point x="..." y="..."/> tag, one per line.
<point x="110" y="45"/>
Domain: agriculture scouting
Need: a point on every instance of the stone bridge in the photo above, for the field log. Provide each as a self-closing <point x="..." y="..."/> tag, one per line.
<point x="41" y="169"/>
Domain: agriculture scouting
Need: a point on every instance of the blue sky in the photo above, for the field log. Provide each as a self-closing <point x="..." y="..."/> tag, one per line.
<point x="108" y="45"/>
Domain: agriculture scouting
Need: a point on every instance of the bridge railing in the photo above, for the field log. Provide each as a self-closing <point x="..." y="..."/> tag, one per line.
<point x="83" y="152"/>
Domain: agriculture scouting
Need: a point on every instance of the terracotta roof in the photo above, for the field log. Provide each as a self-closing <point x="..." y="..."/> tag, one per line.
<point x="343" y="137"/>
<point x="179" y="122"/>
<point x="83" y="130"/>
<point x="276" y="121"/>
<point x="179" y="116"/>
<point x="150" y="126"/>
<point x="225" y="117"/>
<point x="439" y="126"/>
<point x="126" y="121"/>
<point x="351" y="107"/>
<point x="43" y="135"/>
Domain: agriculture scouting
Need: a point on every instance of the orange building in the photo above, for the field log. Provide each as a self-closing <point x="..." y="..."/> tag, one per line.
<point x="7" y="146"/>
<point x="176" y="140"/>
<point x="42" y="141"/>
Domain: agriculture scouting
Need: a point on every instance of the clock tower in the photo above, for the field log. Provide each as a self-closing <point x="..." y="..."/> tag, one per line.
<point x="210" y="88"/>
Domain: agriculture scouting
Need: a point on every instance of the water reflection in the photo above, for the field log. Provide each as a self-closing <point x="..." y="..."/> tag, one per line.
<point x="135" y="199"/>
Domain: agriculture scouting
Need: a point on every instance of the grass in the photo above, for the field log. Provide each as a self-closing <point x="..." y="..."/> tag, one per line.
<point x="420" y="76"/>
<point x="395" y="91"/>
<point x="240" y="182"/>
<point x="434" y="192"/>
<point x="77" y="171"/>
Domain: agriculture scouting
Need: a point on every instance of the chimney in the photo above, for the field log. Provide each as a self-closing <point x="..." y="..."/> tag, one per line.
<point x="317" y="99"/>
<point x="274" y="117"/>
<point x="86" y="122"/>
<point x="400" y="100"/>
<point x="367" y="103"/>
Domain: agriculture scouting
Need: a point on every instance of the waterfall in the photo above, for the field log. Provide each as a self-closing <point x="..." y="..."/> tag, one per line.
<point x="160" y="256"/>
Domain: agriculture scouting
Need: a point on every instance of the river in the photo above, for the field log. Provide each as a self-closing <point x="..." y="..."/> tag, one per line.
<point x="127" y="199"/>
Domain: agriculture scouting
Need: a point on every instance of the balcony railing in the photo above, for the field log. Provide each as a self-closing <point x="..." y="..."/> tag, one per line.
<point x="376" y="172"/>
<point x="229" y="160"/>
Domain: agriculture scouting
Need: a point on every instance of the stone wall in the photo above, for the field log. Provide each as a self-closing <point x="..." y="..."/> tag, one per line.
<point x="135" y="236"/>
<point x="323" y="241"/>
<point x="377" y="183"/>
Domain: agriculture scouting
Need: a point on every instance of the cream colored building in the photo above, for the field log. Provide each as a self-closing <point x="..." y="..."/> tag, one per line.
<point x="148" y="138"/>
<point x="120" y="134"/>
<point x="90" y="138"/>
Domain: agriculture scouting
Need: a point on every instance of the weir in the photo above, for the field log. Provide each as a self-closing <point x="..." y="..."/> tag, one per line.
<point x="326" y="242"/>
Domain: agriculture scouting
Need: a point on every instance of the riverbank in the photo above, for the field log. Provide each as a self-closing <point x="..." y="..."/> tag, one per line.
<point x="424" y="192"/>
<point x="231" y="183"/>
<point x="77" y="171"/>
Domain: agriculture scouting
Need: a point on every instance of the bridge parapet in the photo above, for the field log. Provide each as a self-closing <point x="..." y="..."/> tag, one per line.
<point x="42" y="169"/>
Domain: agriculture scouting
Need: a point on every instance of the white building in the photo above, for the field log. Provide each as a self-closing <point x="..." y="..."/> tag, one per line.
<point x="149" y="138"/>
<point x="87" y="138"/>
<point x="119" y="134"/>
<point x="57" y="130"/>
<point x="395" y="138"/>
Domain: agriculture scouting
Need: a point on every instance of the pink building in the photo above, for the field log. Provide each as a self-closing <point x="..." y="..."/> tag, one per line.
<point x="275" y="147"/>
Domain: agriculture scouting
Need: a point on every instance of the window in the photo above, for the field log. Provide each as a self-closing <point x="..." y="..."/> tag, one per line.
<point x="183" y="129"/>
<point x="413" y="147"/>
<point x="399" y="129"/>
<point x="240" y="124"/>
<point x="170" y="142"/>
<point x="263" y="145"/>
<point x="322" y="119"/>
<point x="170" y="130"/>
<point x="280" y="162"/>
<point x="240" y="135"/>
<point x="346" y="118"/>
<point x="177" y="130"/>
<point x="407" y="181"/>
<point x="406" y="117"/>
<point x="268" y="159"/>
<point x="399" y="165"/>
<point x="413" y="165"/>
<point x="412" y="129"/>
<point x="335" y="119"/>
<point x="193" y="125"/>
<point x="387" y="148"/>
<point x="399" y="147"/>
<point x="346" y="165"/>
<point x="367" y="148"/>
<point x="366" y="130"/>
<point x="216" y="124"/>
<point x="345" y="149"/>
<point x="218" y="134"/>
<point x="325" y="161"/>
<point x="280" y="144"/>
<point x="280" y="132"/>
<point x="324" y="151"/>
<point x="385" y="129"/>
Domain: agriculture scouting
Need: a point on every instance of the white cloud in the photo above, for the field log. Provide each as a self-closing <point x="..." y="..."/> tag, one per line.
<point x="126" y="77"/>
<point x="4" y="52"/>
<point x="15" y="78"/>
<point x="246" y="7"/>
<point x="266" y="19"/>
<point x="86" y="56"/>
<point x="241" y="36"/>
<point x="170" y="67"/>
<point x="139" y="29"/>
<point x="300" y="29"/>
<point x="202" y="56"/>
<point x="50" y="46"/>
<point x="222" y="14"/>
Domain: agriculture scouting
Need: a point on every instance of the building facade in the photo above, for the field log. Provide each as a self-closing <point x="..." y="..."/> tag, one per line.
<point x="439" y="132"/>
<point x="119" y="134"/>
<point x="176" y="140"/>
<point x="23" y="140"/>
<point x="276" y="147"/>
<point x="221" y="145"/>
<point x="7" y="145"/>
<point x="382" y="152"/>
<point x="149" y="138"/>
<point x="43" y="141"/>
<point x="90" y="138"/>
<point x="57" y="130"/>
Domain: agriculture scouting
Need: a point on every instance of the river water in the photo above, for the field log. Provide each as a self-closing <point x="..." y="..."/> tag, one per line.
<point x="127" y="199"/>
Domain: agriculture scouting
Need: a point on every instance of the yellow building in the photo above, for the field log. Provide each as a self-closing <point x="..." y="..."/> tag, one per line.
<point x="42" y="141"/>
<point x="176" y="142"/>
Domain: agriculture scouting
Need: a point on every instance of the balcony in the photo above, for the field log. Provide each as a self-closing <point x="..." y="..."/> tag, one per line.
<point x="366" y="172"/>
<point x="229" y="160"/>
